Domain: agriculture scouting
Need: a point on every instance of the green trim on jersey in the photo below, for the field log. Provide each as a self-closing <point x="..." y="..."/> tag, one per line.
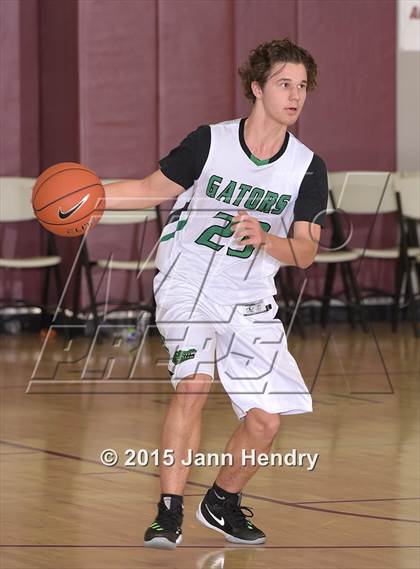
<point x="183" y="355"/>
<point x="253" y="158"/>
<point x="259" y="162"/>
<point x="180" y="225"/>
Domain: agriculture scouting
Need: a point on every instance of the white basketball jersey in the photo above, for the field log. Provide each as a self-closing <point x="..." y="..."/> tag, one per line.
<point x="197" y="245"/>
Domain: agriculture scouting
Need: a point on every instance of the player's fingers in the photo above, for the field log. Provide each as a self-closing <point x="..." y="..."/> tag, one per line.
<point x="241" y="216"/>
<point x="245" y="225"/>
<point x="249" y="232"/>
<point x="244" y="231"/>
<point x="248" y="240"/>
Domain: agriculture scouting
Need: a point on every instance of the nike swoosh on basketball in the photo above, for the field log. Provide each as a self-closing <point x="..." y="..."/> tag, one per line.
<point x="64" y="214"/>
<point x="221" y="521"/>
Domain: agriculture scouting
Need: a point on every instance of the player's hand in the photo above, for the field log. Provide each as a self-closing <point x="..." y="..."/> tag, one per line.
<point x="247" y="230"/>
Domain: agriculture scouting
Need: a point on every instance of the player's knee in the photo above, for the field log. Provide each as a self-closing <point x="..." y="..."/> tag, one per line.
<point x="262" y="424"/>
<point x="192" y="392"/>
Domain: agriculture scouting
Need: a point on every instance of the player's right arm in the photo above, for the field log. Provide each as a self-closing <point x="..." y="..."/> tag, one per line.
<point x="177" y="172"/>
<point x="141" y="194"/>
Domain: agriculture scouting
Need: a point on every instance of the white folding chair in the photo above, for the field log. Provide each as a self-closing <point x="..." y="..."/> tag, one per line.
<point x="372" y="194"/>
<point x="338" y="255"/>
<point x="15" y="207"/>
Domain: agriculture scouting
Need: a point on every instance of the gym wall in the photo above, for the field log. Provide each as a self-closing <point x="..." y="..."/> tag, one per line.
<point x="115" y="85"/>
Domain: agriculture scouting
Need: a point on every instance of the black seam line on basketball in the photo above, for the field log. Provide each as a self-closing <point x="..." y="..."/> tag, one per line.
<point x="205" y="486"/>
<point x="59" y="172"/>
<point x="66" y="196"/>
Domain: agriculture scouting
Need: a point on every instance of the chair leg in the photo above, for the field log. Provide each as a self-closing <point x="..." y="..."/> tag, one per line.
<point x="88" y="273"/>
<point x="411" y="300"/>
<point x="312" y="314"/>
<point x="140" y="289"/>
<point x="284" y="294"/>
<point x="59" y="287"/>
<point x="399" y="276"/>
<point x="44" y="301"/>
<point x="328" y="287"/>
<point x="357" y="297"/>
<point x="76" y="289"/>
<point x="349" y="298"/>
<point x="293" y="303"/>
<point x="417" y="269"/>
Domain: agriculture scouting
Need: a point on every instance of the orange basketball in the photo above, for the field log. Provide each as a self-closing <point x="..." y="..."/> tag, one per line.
<point x="67" y="198"/>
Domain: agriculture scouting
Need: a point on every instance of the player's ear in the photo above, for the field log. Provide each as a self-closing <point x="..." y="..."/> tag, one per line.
<point x="256" y="89"/>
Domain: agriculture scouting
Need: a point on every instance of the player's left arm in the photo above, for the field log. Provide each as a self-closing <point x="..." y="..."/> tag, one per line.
<point x="298" y="251"/>
<point x="309" y="214"/>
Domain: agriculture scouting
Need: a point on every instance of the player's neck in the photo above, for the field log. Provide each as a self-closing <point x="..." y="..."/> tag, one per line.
<point x="263" y="136"/>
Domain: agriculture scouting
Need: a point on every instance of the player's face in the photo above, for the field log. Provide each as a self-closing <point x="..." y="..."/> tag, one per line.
<point x="284" y="92"/>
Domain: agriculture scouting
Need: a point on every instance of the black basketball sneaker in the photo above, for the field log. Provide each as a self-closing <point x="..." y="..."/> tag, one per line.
<point x="226" y="515"/>
<point x="165" y="532"/>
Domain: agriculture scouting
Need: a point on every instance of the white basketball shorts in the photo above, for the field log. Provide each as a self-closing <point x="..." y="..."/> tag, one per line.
<point x="246" y="342"/>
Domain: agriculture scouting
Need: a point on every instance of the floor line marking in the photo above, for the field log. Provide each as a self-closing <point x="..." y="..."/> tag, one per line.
<point x="200" y="485"/>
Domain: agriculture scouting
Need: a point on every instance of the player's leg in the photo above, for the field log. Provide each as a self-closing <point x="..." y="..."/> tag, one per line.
<point x="190" y="343"/>
<point x="263" y="381"/>
<point x="220" y="509"/>
<point x="257" y="432"/>
<point x="182" y="430"/>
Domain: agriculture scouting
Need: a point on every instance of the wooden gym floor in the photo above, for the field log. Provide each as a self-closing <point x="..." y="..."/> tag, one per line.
<point x="61" y="508"/>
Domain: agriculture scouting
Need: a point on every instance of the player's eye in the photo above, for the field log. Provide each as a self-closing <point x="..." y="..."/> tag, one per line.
<point x="284" y="84"/>
<point x="302" y="86"/>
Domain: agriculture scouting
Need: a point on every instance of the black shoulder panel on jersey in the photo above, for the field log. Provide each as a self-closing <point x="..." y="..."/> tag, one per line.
<point x="312" y="199"/>
<point x="185" y="162"/>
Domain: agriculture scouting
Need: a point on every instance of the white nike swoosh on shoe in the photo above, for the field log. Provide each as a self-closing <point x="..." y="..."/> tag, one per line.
<point x="63" y="214"/>
<point x="220" y="497"/>
<point x="221" y="521"/>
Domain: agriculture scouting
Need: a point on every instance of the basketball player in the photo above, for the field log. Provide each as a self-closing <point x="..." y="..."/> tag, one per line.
<point x="240" y="185"/>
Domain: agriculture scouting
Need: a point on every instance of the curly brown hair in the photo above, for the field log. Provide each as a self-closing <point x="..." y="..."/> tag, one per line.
<point x="262" y="58"/>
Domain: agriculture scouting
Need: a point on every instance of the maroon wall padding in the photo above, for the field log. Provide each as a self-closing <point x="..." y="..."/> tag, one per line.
<point x="196" y="57"/>
<point x="350" y="118"/>
<point x="258" y="21"/>
<point x="59" y="133"/>
<point x="19" y="134"/>
<point x="196" y="42"/>
<point x="29" y="80"/>
<point x="118" y="70"/>
<point x="116" y="84"/>
<point x="10" y="155"/>
<point x="59" y="109"/>
<point x="19" y="89"/>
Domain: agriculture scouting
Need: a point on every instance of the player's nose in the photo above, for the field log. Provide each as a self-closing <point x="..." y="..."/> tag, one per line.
<point x="294" y="94"/>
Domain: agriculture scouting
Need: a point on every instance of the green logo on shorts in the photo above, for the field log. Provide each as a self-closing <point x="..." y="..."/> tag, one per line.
<point x="182" y="355"/>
